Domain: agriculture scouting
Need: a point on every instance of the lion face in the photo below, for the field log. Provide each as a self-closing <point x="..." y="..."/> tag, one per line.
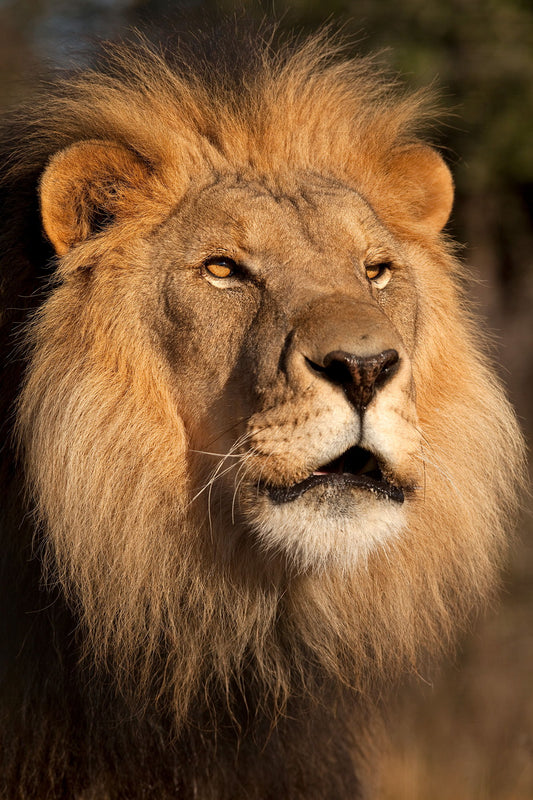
<point x="297" y="310"/>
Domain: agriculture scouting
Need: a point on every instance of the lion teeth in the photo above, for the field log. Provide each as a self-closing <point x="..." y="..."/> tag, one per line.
<point x="370" y="466"/>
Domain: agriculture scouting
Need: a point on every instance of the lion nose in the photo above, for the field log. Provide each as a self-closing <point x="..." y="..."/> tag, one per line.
<point x="359" y="376"/>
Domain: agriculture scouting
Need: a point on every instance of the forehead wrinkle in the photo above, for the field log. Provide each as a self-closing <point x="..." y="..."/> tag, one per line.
<point x="252" y="216"/>
<point x="309" y="209"/>
<point x="357" y="221"/>
<point x="334" y="220"/>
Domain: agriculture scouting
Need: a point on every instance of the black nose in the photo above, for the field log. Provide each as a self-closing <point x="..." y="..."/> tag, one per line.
<point x="359" y="376"/>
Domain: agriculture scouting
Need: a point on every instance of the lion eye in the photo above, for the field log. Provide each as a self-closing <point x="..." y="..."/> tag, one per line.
<point x="379" y="274"/>
<point x="220" y="267"/>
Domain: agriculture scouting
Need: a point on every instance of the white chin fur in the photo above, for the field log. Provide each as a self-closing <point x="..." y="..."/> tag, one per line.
<point x="316" y="532"/>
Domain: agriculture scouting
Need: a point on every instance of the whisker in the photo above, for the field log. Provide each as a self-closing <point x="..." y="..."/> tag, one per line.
<point x="236" y="486"/>
<point x="267" y="459"/>
<point x="219" y="472"/>
<point x="219" y="455"/>
<point x="425" y="460"/>
<point x="212" y="479"/>
<point x="218" y="475"/>
<point x="237" y="422"/>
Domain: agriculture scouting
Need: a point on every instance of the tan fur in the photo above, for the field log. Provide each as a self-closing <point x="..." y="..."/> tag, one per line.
<point x="177" y="593"/>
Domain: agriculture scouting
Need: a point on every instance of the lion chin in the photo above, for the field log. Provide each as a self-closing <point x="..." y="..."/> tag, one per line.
<point x="336" y="526"/>
<point x="256" y="463"/>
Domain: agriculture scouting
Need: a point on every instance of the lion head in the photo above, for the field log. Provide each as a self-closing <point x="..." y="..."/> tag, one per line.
<point x="259" y="430"/>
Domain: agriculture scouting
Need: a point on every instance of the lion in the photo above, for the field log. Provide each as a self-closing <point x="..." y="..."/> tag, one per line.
<point x="257" y="463"/>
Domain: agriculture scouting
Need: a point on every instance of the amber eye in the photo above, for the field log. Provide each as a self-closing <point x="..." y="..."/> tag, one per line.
<point x="379" y="274"/>
<point x="220" y="267"/>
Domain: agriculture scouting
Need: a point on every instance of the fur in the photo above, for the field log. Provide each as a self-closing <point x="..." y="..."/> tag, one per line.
<point x="142" y="660"/>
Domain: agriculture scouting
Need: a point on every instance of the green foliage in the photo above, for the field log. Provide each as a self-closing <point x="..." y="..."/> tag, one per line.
<point x="479" y="53"/>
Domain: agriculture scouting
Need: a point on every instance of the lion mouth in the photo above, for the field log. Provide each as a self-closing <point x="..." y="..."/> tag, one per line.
<point x="355" y="468"/>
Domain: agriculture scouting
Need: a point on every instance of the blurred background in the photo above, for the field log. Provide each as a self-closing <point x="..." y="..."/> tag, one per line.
<point x="467" y="732"/>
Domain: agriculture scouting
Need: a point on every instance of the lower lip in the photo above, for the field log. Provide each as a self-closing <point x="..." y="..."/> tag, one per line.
<point x="285" y="494"/>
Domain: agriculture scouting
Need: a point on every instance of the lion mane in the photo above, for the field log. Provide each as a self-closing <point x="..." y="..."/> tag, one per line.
<point x="171" y="629"/>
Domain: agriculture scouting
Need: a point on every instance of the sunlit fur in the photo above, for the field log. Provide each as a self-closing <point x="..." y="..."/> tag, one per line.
<point x="104" y="445"/>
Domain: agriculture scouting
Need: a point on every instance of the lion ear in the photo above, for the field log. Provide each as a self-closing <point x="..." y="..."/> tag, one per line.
<point x="422" y="187"/>
<point x="85" y="187"/>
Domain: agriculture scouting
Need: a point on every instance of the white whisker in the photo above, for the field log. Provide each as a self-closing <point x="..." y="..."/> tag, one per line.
<point x="440" y="469"/>
<point x="238" y="485"/>
<point x="218" y="455"/>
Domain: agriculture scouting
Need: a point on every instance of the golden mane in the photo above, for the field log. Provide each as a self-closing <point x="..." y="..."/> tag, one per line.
<point x="105" y="452"/>
<point x="280" y="111"/>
